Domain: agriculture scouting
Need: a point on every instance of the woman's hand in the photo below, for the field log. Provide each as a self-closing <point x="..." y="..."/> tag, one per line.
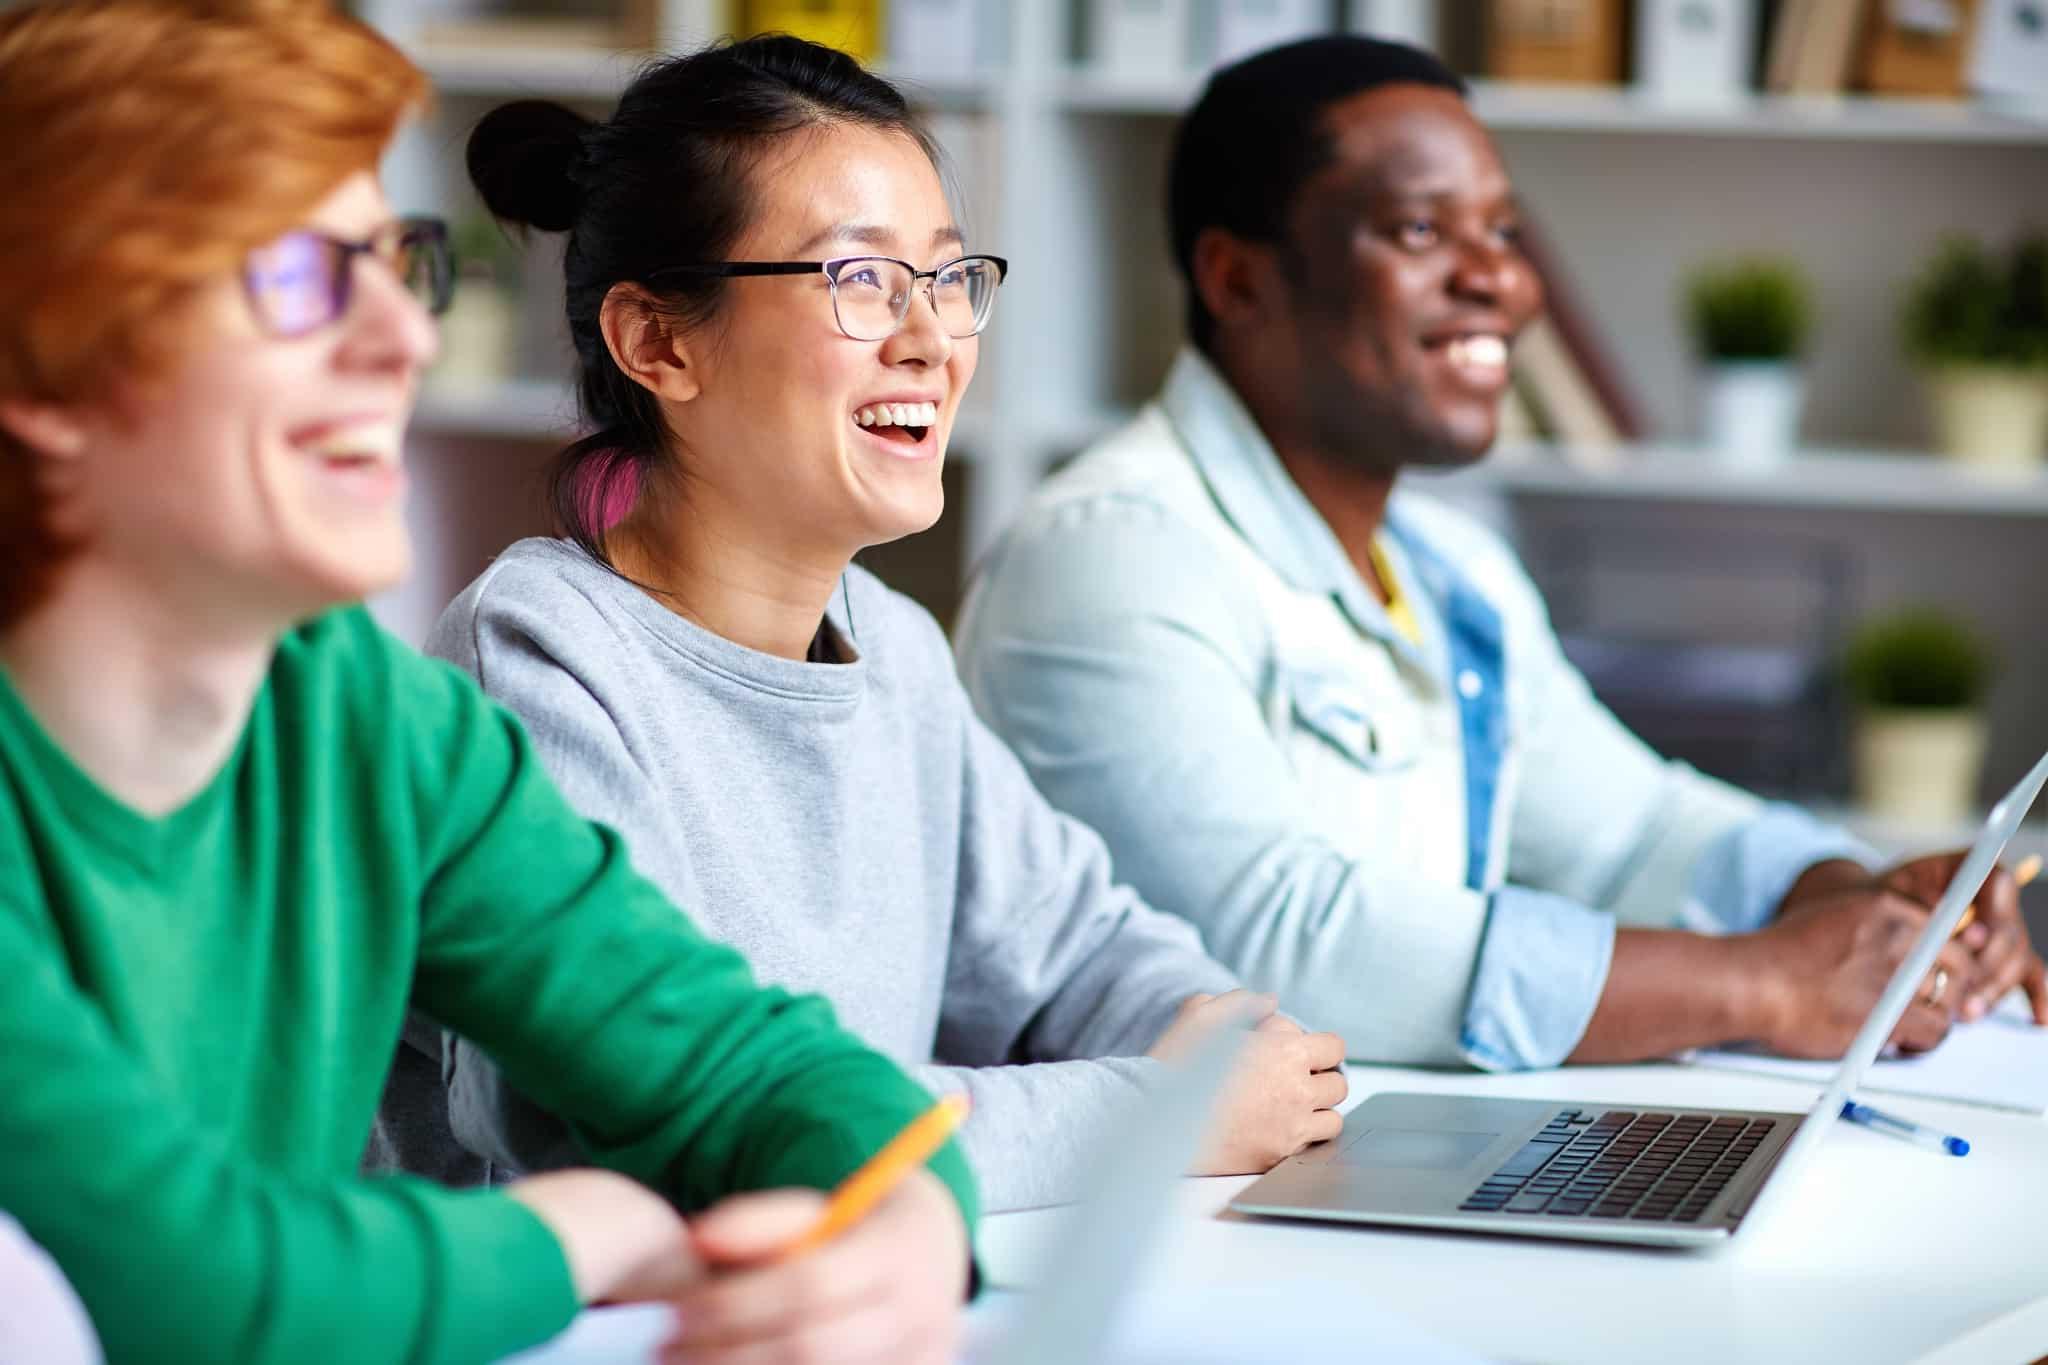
<point x="1283" y="1094"/>
<point x="889" y="1289"/>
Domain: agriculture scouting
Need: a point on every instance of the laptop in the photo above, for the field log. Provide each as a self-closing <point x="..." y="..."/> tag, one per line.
<point x="1091" y="1267"/>
<point x="1600" y="1172"/>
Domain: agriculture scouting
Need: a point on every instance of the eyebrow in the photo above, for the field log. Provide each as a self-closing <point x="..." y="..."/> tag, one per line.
<point x="1380" y="188"/>
<point x="868" y="234"/>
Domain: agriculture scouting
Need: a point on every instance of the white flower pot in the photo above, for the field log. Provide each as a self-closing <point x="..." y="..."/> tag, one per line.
<point x="1919" y="767"/>
<point x="1990" y="415"/>
<point x="479" y="339"/>
<point x="1750" y="412"/>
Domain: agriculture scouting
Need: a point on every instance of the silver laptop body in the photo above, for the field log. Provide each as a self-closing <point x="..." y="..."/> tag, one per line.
<point x="1105" y="1240"/>
<point x="1600" y="1172"/>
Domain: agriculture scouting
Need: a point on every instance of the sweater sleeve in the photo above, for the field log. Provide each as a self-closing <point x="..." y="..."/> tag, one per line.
<point x="656" y="1046"/>
<point x="1054" y="963"/>
<point x="183" y="1251"/>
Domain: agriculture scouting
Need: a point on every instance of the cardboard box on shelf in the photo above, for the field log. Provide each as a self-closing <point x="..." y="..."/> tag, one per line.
<point x="1572" y="41"/>
<point x="1917" y="47"/>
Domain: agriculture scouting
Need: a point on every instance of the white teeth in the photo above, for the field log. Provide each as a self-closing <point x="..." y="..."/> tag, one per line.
<point x="1489" y="352"/>
<point x="378" y="441"/>
<point x="897" y="415"/>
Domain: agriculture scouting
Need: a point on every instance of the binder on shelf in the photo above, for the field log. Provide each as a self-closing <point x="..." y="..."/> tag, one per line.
<point x="1575" y="328"/>
<point x="1413" y="22"/>
<point x="1143" y="38"/>
<point x="1916" y="48"/>
<point x="1564" y="403"/>
<point x="936" y="38"/>
<point x="1694" y="50"/>
<point x="1247" y="26"/>
<point x="2009" y="54"/>
<point x="1788" y="30"/>
<point x="852" y="26"/>
<point x="1571" y="41"/>
<point x="1827" y="50"/>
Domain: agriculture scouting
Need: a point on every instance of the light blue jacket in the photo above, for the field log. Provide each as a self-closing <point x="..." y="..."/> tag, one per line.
<point x="1426" y="847"/>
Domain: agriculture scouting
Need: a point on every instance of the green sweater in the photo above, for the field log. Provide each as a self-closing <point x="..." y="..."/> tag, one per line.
<point x="199" y="1012"/>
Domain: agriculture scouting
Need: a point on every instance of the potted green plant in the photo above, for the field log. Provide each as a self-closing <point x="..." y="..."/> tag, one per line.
<point x="1918" y="678"/>
<point x="480" y="333"/>
<point x="1977" y="325"/>
<point x="1750" y="318"/>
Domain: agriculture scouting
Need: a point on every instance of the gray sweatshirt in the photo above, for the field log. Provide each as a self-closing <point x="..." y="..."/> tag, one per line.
<point x="857" y="832"/>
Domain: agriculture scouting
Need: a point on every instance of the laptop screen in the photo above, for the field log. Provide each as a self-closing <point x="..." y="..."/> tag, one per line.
<point x="1999" y="827"/>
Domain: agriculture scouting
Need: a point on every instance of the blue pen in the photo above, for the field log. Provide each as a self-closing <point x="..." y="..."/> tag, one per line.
<point x="1912" y="1132"/>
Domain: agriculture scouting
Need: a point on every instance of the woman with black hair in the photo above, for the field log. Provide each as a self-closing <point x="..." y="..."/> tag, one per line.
<point x="776" y="317"/>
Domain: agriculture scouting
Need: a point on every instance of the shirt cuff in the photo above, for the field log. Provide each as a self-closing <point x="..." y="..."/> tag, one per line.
<point x="1542" y="966"/>
<point x="1741" y="879"/>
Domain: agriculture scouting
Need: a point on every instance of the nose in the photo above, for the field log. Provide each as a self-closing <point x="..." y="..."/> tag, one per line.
<point x="922" y="339"/>
<point x="387" y="329"/>
<point x="1485" y="271"/>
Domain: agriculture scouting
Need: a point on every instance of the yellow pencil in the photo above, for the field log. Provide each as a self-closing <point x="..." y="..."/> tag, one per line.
<point x="2029" y="868"/>
<point x="883" y="1172"/>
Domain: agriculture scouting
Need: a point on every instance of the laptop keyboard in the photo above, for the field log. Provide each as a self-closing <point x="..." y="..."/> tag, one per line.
<point x="1642" y="1167"/>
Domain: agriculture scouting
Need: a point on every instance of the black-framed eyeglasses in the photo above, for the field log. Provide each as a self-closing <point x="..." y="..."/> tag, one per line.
<point x="302" y="281"/>
<point x="871" y="294"/>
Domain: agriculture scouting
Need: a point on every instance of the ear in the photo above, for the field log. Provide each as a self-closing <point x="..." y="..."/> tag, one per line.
<point x="46" y="428"/>
<point x="646" y="346"/>
<point x="1238" y="281"/>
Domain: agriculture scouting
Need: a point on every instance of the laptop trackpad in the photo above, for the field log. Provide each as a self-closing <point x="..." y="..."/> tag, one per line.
<point x="1416" y="1149"/>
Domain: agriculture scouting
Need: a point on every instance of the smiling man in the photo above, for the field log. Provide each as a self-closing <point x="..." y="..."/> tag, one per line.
<point x="1326" y="719"/>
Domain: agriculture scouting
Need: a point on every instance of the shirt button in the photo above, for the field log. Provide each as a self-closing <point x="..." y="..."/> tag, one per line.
<point x="1470" y="685"/>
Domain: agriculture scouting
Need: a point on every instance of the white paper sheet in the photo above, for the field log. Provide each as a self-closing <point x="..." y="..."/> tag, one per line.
<point x="2000" y="1061"/>
<point x="1170" y="1324"/>
<point x="1298" y="1322"/>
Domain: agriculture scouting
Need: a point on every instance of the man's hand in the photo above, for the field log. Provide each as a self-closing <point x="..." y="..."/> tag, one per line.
<point x="2002" y="954"/>
<point x="1829" y="955"/>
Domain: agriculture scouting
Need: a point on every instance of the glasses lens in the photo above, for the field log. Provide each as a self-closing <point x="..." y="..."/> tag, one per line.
<point x="295" y="283"/>
<point x="965" y="294"/>
<point x="425" y="264"/>
<point x="872" y="293"/>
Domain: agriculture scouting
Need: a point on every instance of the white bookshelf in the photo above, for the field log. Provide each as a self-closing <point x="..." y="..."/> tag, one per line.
<point x="498" y="71"/>
<point x="1625" y="110"/>
<point x="586" y="74"/>
<point x="520" y="410"/>
<point x="1818" y="479"/>
<point x="571" y="73"/>
<point x="1062" y="167"/>
<point x="1512" y="107"/>
<point x="1896" y="839"/>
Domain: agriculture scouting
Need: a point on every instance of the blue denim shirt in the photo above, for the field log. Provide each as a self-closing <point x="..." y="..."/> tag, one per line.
<point x="1424" y="844"/>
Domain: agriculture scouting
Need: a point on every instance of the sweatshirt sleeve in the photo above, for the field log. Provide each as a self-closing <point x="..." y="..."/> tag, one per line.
<point x="580" y="746"/>
<point x="183" y="1251"/>
<point x="1054" y="963"/>
<point x="668" y="1062"/>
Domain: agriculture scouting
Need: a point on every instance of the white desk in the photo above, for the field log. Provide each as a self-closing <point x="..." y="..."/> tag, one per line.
<point x="1883" y="1253"/>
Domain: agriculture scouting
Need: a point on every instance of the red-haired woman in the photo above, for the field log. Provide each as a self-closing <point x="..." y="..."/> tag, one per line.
<point x="241" y="829"/>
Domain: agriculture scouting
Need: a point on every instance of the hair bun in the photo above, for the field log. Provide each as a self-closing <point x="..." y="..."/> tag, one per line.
<point x="522" y="159"/>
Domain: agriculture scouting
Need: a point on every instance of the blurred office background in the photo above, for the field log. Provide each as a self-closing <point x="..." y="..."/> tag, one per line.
<point x="1776" y="457"/>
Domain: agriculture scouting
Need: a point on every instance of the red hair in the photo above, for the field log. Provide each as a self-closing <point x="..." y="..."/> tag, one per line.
<point x="152" y="144"/>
